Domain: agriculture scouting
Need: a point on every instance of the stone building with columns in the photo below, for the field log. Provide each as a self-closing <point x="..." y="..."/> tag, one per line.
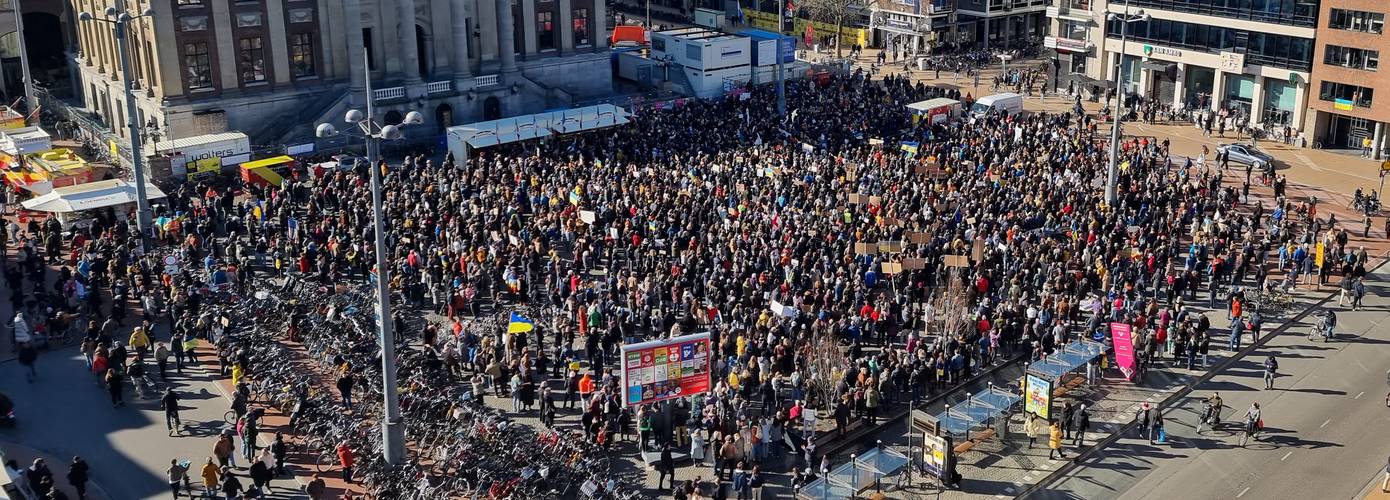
<point x="275" y="68"/>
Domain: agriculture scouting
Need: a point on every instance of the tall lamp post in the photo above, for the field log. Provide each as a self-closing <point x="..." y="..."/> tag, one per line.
<point x="1113" y="168"/>
<point x="393" y="434"/>
<point x="121" y="20"/>
<point x="31" y="102"/>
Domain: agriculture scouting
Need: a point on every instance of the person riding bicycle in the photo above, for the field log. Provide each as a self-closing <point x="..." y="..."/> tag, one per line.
<point x="1214" y="405"/>
<point x="1329" y="321"/>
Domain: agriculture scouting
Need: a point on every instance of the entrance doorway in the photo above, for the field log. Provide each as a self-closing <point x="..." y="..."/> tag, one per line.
<point x="1346" y="132"/>
<point x="492" y="108"/>
<point x="422" y="52"/>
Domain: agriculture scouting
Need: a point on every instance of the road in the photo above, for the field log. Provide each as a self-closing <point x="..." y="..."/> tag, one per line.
<point x="1321" y="423"/>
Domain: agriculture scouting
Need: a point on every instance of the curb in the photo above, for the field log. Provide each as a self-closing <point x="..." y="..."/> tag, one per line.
<point x="1186" y="389"/>
<point x="856" y="437"/>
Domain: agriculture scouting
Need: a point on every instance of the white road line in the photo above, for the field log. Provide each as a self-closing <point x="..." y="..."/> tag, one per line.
<point x="1324" y="424"/>
<point x="1243" y="492"/>
<point x="1358" y="396"/>
<point x="1286" y="456"/>
<point x="1009" y="490"/>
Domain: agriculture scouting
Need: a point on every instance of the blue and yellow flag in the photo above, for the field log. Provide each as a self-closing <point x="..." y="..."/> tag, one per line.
<point x="519" y="324"/>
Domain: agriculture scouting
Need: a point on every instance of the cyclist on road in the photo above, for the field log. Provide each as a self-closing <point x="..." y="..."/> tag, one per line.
<point x="1271" y="367"/>
<point x="1253" y="423"/>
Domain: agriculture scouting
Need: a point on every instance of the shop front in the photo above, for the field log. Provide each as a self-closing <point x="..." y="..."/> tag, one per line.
<point x="901" y="32"/>
<point x="1240" y="94"/>
<point x="1280" y="98"/>
<point x="1197" y="86"/>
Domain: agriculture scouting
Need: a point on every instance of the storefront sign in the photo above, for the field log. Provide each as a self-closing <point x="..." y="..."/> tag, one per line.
<point x="665" y="369"/>
<point x="1162" y="51"/>
<point x="1037" y="396"/>
<point x="1066" y="44"/>
<point x="1124" y="348"/>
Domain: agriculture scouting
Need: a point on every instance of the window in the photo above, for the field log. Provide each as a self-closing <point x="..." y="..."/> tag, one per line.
<point x="1358" y="96"/>
<point x="1355" y="20"/>
<point x="190" y="3"/>
<point x="198" y="65"/>
<point x="1266" y="49"/>
<point x="302" y="55"/>
<point x="581" y="27"/>
<point x="545" y="30"/>
<point x="251" y="60"/>
<point x="1348" y="57"/>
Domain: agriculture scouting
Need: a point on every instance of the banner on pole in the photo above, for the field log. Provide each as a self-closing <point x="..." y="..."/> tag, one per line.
<point x="1124" y="349"/>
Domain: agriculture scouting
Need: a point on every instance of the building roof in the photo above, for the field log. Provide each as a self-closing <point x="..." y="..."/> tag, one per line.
<point x="91" y="195"/>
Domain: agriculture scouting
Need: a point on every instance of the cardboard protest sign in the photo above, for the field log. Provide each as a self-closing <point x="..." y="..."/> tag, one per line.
<point x="956" y="261"/>
<point x="891" y="267"/>
<point x="865" y="248"/>
<point x="914" y="263"/>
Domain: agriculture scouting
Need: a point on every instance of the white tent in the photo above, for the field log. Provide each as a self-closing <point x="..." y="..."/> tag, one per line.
<point x="90" y="196"/>
<point x="522" y="128"/>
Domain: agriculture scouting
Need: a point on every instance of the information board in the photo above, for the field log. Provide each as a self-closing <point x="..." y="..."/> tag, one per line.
<point x="665" y="369"/>
<point x="1124" y="349"/>
<point x="1037" y="396"/>
<point x="936" y="450"/>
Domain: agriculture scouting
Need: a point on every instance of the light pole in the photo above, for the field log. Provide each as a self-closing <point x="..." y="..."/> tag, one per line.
<point x="120" y="19"/>
<point x="1112" y="170"/>
<point x="393" y="434"/>
<point x="781" y="81"/>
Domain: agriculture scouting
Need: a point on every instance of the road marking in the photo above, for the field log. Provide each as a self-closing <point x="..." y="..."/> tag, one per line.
<point x="1307" y="162"/>
<point x="1358" y="396"/>
<point x="1009" y="490"/>
<point x="1286" y="456"/>
<point x="1243" y="492"/>
<point x="1324" y="424"/>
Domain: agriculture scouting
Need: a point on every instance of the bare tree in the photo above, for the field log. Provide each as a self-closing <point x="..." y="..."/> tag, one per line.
<point x="832" y="11"/>
<point x="948" y="307"/>
<point x="827" y="365"/>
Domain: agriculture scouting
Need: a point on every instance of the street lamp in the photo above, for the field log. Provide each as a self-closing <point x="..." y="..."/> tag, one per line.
<point x="120" y="19"/>
<point x="393" y="434"/>
<point x="1112" y="170"/>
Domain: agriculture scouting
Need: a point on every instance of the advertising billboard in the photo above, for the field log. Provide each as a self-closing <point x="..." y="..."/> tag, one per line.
<point x="936" y="450"/>
<point x="665" y="369"/>
<point x="1037" y="396"/>
<point x="1124" y="349"/>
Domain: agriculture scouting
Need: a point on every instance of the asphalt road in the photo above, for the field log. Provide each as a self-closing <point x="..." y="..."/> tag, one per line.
<point x="1324" y="423"/>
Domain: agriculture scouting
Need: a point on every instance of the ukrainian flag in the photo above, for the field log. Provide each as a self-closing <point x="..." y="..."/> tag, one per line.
<point x="1342" y="104"/>
<point x="519" y="324"/>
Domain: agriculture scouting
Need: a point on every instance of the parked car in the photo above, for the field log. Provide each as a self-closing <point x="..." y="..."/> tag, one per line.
<point x="1247" y="154"/>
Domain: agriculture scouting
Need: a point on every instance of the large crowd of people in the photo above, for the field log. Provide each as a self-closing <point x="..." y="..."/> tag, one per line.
<point x="907" y="254"/>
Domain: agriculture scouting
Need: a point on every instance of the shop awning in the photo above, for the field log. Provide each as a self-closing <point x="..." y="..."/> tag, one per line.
<point x="1161" y="66"/>
<point x="91" y="195"/>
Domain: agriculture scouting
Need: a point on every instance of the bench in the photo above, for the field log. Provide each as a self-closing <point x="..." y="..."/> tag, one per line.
<point x="1067" y="386"/>
<point x="978" y="438"/>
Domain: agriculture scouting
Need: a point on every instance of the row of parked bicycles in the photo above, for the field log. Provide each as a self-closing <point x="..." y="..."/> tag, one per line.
<point x="455" y="447"/>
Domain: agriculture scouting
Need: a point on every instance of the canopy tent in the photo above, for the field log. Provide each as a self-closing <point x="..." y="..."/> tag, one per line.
<point x="91" y="195"/>
<point x="1071" y="356"/>
<point x="848" y="479"/>
<point x="976" y="410"/>
<point x="522" y="128"/>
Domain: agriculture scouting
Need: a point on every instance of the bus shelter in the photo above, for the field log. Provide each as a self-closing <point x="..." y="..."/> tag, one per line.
<point x="977" y="410"/>
<point x="1073" y="355"/>
<point x="850" y="478"/>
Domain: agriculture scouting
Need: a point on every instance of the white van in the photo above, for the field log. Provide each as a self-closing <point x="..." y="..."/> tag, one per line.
<point x="1009" y="102"/>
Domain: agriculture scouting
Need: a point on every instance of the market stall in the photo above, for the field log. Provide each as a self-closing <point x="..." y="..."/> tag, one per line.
<point x="74" y="205"/>
<point x="935" y="111"/>
<point x="268" y="171"/>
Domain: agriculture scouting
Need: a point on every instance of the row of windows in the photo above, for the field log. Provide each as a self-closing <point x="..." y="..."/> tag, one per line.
<point x="1259" y="48"/>
<point x="545" y="29"/>
<point x="1352" y="58"/>
<point x="1286" y="12"/>
<point x="197" y="62"/>
<point x="1333" y="91"/>
<point x="1355" y="20"/>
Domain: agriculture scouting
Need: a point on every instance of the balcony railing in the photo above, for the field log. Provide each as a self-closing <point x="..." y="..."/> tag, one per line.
<point x="389" y="93"/>
<point x="487" y="80"/>
<point x="438" y="87"/>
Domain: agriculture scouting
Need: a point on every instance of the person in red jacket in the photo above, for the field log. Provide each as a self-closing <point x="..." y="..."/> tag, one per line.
<point x="345" y="459"/>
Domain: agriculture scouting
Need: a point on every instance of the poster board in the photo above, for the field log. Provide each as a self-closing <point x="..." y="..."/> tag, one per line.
<point x="936" y="454"/>
<point x="914" y="263"/>
<point x="890" y="246"/>
<point x="587" y="216"/>
<point x="956" y="261"/>
<point x="977" y="251"/>
<point x="665" y="369"/>
<point x="856" y="198"/>
<point x="891" y="267"/>
<point x="1124" y="349"/>
<point x="918" y="238"/>
<point x="1037" y="395"/>
<point x="865" y="248"/>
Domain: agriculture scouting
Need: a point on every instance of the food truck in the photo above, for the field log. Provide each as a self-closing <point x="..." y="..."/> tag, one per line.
<point x="935" y="111"/>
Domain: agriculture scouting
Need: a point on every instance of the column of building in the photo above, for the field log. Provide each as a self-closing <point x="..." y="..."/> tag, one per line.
<point x="1179" y="87"/>
<point x="458" y="12"/>
<point x="1257" y="101"/>
<point x="506" y="35"/>
<point x="566" y="27"/>
<point x="405" y="34"/>
<point x="357" y="64"/>
<point x="1218" y="89"/>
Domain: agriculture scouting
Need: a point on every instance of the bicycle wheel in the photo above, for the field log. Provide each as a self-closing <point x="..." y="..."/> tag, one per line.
<point x="327" y="461"/>
<point x="230" y="417"/>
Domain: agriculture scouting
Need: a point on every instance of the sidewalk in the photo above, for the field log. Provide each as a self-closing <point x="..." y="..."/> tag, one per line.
<point x="25" y="456"/>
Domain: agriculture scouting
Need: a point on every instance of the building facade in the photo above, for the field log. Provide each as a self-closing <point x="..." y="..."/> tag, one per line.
<point x="1253" y="61"/>
<point x="1351" y="96"/>
<point x="275" y="68"/>
<point x="1000" y="23"/>
<point x="912" y="26"/>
